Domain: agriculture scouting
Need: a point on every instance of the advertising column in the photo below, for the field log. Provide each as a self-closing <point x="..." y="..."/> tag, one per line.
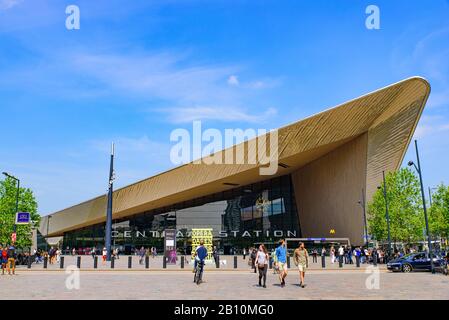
<point x="170" y="245"/>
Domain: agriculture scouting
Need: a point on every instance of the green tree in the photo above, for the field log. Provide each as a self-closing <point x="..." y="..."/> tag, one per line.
<point x="439" y="213"/>
<point x="27" y="203"/>
<point x="405" y="209"/>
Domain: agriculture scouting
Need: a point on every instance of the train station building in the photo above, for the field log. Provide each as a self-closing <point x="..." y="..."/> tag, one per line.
<point x="326" y="164"/>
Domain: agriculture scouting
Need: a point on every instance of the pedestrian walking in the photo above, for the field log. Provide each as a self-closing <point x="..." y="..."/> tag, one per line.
<point x="58" y="255"/>
<point x="332" y="254"/>
<point x="341" y="253"/>
<point x="281" y="256"/>
<point x="141" y="255"/>
<point x="3" y="258"/>
<point x="104" y="255"/>
<point x="314" y="256"/>
<point x="215" y="254"/>
<point x="11" y="259"/>
<point x="262" y="265"/>
<point x="301" y="258"/>
<point x="154" y="252"/>
<point x="253" y="259"/>
<point x="93" y="252"/>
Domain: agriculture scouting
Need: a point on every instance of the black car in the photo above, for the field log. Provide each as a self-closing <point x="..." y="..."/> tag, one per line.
<point x="415" y="262"/>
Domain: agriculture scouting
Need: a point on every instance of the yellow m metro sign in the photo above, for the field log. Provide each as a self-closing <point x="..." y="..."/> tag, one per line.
<point x="332" y="231"/>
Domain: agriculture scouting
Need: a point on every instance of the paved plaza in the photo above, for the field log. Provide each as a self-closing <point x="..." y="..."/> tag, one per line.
<point x="321" y="284"/>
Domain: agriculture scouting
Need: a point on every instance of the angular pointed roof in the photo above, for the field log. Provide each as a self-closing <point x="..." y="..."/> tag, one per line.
<point x="389" y="116"/>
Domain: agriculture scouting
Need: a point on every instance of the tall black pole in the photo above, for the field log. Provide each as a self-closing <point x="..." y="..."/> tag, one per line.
<point x="363" y="204"/>
<point x="429" y="243"/>
<point x="108" y="229"/>
<point x="387" y="215"/>
<point x="17" y="203"/>
<point x="48" y="226"/>
<point x="430" y="197"/>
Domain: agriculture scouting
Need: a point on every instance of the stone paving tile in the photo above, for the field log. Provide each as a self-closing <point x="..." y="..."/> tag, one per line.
<point x="222" y="285"/>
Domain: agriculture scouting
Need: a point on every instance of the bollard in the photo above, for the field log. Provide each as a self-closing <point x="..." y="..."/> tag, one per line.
<point x="95" y="262"/>
<point x="29" y="262"/>
<point x="217" y="262"/>
<point x="340" y="261"/>
<point x="164" y="262"/>
<point x="288" y="262"/>
<point x="112" y="262"/>
<point x="130" y="262"/>
<point x="357" y="261"/>
<point x="182" y="262"/>
<point x="45" y="262"/>
<point x="323" y="261"/>
<point x="78" y="262"/>
<point x="61" y="263"/>
<point x="270" y="263"/>
<point x="375" y="259"/>
<point x="235" y="262"/>
<point x="147" y="262"/>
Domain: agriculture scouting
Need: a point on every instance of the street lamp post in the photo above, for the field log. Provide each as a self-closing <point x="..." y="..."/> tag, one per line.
<point x="17" y="194"/>
<point x="48" y="227"/>
<point x="418" y="169"/>
<point x="362" y="204"/>
<point x="108" y="228"/>
<point x="387" y="215"/>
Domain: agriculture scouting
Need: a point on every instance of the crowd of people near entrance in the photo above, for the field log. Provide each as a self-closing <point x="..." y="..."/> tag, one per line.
<point x="349" y="255"/>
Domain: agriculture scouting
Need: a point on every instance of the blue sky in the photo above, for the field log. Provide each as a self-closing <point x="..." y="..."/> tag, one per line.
<point x="137" y="70"/>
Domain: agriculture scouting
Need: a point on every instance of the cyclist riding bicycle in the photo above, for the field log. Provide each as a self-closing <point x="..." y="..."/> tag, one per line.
<point x="200" y="255"/>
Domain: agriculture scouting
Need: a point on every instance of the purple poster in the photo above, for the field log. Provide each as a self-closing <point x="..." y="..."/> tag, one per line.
<point x="170" y="246"/>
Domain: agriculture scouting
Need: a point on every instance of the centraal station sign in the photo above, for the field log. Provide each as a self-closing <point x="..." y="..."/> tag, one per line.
<point x="220" y="234"/>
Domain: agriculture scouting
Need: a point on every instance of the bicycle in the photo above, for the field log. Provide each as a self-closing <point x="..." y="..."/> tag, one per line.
<point x="198" y="277"/>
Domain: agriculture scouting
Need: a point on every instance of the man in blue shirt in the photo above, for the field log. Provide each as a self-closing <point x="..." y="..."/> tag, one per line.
<point x="200" y="254"/>
<point x="281" y="257"/>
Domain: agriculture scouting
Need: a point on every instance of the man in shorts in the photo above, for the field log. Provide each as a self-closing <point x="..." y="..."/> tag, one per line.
<point x="301" y="258"/>
<point x="281" y="257"/>
<point x="11" y="259"/>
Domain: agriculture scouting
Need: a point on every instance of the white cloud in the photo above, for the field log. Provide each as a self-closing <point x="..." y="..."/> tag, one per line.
<point x="164" y="78"/>
<point x="8" y="4"/>
<point x="265" y="83"/>
<point x="233" y="81"/>
<point x="430" y="126"/>
<point x="226" y="114"/>
<point x="158" y="76"/>
<point x="428" y="57"/>
<point x="127" y="145"/>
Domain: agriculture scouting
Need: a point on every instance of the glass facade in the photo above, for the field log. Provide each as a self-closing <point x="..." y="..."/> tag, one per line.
<point x="240" y="218"/>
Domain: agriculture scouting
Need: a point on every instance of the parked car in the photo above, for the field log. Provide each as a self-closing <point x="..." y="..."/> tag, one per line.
<point x="419" y="261"/>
